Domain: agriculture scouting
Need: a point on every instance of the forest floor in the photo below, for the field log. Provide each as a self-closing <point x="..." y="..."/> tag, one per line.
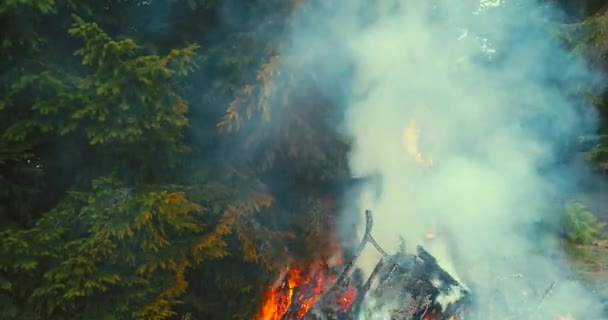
<point x="590" y="265"/>
<point x="591" y="262"/>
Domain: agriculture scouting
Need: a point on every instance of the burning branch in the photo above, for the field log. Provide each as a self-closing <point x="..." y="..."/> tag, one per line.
<point x="304" y="291"/>
<point x="342" y="282"/>
<point x="416" y="280"/>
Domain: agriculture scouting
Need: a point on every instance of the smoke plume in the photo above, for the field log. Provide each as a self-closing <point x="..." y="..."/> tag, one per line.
<point x="464" y="109"/>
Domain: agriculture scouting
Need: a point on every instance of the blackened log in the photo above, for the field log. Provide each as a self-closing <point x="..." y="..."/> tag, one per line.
<point x="415" y="281"/>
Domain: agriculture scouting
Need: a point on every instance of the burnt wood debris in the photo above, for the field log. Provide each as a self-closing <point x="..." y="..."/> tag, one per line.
<point x="414" y="285"/>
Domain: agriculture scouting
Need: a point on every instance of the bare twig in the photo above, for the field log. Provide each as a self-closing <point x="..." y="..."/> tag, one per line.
<point x="367" y="237"/>
<point x="545" y="295"/>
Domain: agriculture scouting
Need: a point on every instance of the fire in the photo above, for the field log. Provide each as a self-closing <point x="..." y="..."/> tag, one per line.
<point x="346" y="301"/>
<point x="301" y="288"/>
<point x="278" y="299"/>
<point x="411" y="141"/>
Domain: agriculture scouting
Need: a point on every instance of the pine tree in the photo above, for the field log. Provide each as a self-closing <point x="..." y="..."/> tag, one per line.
<point x="111" y="204"/>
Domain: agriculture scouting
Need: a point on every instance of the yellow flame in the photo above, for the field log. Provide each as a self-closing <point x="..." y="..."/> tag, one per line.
<point x="411" y="144"/>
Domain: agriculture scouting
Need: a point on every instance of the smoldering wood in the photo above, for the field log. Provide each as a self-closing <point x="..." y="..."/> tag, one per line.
<point x="417" y="284"/>
<point x="415" y="281"/>
<point x="411" y="286"/>
<point x="342" y="281"/>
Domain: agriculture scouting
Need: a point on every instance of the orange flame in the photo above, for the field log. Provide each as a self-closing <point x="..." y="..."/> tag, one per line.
<point x="299" y="288"/>
<point x="278" y="299"/>
<point x="308" y="290"/>
<point x="304" y="289"/>
<point x="411" y="141"/>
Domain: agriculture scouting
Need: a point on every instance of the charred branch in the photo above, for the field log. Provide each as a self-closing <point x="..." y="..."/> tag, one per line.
<point x="415" y="283"/>
<point x="343" y="279"/>
<point x="367" y="237"/>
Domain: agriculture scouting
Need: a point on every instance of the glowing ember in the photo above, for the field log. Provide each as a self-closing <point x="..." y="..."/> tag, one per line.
<point x="346" y="301"/>
<point x="410" y="142"/>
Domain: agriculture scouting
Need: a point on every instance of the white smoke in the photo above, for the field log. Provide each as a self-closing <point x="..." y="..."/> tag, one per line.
<point x="486" y="85"/>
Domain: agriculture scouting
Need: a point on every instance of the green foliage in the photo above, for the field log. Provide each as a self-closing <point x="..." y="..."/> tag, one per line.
<point x="126" y="97"/>
<point x="20" y="178"/>
<point x="22" y="36"/>
<point x="132" y="84"/>
<point x="103" y="214"/>
<point x="590" y="36"/>
<point x="581" y="225"/>
<point x="225" y="289"/>
<point x="275" y="123"/>
<point x="96" y="235"/>
<point x="598" y="155"/>
<point x="115" y="252"/>
<point x="91" y="89"/>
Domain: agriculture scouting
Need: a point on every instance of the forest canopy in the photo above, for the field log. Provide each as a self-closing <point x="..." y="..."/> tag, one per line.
<point x="157" y="158"/>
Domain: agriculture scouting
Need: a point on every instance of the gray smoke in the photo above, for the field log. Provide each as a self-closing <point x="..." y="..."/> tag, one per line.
<point x="485" y="92"/>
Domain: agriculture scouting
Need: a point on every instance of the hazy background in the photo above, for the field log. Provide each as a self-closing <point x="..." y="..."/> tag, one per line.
<point x="490" y="93"/>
